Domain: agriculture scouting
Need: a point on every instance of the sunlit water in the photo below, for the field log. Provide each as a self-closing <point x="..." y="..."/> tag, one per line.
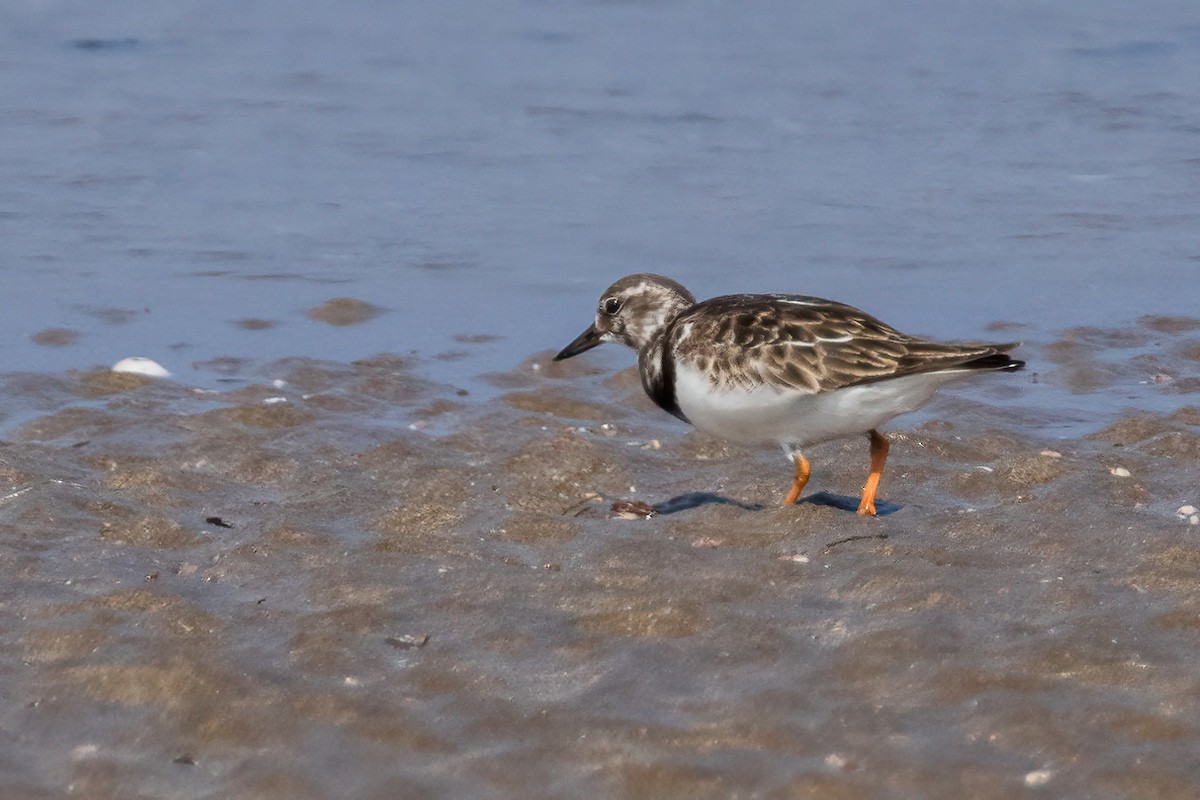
<point x="171" y="172"/>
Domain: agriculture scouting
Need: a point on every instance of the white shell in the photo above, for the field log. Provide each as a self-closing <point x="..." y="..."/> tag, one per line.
<point x="141" y="366"/>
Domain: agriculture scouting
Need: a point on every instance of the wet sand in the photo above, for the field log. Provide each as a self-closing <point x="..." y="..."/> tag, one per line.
<point x="344" y="581"/>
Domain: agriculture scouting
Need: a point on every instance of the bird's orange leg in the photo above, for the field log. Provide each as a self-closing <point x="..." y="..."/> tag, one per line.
<point x="879" y="451"/>
<point x="803" y="470"/>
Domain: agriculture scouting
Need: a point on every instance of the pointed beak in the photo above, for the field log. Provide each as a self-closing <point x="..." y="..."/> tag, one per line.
<point x="584" y="341"/>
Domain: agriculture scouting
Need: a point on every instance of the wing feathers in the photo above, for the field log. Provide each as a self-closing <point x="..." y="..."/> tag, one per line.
<point x="812" y="345"/>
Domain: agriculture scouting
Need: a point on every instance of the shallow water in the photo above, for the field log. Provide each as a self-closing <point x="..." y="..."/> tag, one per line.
<point x="301" y="569"/>
<point x="187" y="182"/>
<point x="281" y="591"/>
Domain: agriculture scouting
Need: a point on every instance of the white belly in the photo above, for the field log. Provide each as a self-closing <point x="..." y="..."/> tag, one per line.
<point x="765" y="415"/>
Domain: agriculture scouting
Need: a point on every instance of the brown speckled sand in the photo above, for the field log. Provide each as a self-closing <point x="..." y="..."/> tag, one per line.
<point x="376" y="589"/>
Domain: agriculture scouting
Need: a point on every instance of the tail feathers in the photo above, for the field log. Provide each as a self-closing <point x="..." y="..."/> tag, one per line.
<point x="959" y="357"/>
<point x="997" y="361"/>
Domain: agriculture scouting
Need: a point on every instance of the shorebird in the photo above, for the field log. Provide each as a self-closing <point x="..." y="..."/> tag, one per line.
<point x="784" y="369"/>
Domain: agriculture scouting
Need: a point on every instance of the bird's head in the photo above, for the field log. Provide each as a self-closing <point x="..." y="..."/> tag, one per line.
<point x="632" y="311"/>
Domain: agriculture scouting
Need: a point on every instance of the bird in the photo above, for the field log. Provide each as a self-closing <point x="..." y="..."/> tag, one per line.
<point x="785" y="369"/>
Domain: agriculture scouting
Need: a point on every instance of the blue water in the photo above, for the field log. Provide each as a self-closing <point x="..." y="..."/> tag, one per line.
<point x="485" y="169"/>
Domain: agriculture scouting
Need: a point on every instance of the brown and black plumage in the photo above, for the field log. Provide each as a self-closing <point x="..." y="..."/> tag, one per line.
<point x="790" y="369"/>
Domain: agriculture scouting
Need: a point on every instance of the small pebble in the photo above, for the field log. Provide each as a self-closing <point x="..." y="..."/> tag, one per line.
<point x="1119" y="472"/>
<point x="653" y="444"/>
<point x="270" y="401"/>
<point x="408" y="641"/>
<point x="799" y="558"/>
<point x="1051" y="454"/>
<point x="1189" y="513"/>
<point x="1039" y="777"/>
<point x="84" y="751"/>
<point x="835" y="761"/>
<point x="633" y="509"/>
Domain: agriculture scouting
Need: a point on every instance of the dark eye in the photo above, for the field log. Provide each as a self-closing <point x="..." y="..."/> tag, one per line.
<point x="611" y="306"/>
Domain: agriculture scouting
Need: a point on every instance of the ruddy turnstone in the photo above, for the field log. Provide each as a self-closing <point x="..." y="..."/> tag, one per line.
<point x="786" y="369"/>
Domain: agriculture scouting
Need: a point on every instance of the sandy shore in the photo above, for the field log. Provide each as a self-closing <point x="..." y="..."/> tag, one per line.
<point x="356" y="583"/>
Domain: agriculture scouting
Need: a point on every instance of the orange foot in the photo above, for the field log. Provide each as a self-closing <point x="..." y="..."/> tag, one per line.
<point x="803" y="470"/>
<point x="879" y="451"/>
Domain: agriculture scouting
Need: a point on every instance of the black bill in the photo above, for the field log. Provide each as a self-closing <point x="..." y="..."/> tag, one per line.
<point x="583" y="342"/>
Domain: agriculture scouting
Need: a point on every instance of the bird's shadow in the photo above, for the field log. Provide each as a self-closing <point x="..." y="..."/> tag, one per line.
<point x="686" y="502"/>
<point x="848" y="503"/>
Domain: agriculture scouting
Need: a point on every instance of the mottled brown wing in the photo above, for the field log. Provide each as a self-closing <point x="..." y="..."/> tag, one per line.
<point x="806" y="343"/>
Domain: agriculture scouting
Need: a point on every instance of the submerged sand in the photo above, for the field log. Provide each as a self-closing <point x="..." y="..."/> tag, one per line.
<point x="343" y="581"/>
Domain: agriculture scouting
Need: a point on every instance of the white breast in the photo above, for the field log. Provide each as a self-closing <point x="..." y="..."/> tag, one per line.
<point x="794" y="419"/>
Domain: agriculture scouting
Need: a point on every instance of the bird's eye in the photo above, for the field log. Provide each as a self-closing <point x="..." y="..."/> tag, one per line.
<point x="611" y="306"/>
